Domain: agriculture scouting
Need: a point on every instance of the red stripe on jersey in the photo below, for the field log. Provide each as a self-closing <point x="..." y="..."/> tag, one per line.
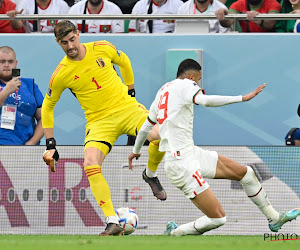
<point x="200" y="177"/>
<point x="195" y="193"/>
<point x="55" y="73"/>
<point x="45" y="7"/>
<point x="86" y="27"/>
<point x="104" y="43"/>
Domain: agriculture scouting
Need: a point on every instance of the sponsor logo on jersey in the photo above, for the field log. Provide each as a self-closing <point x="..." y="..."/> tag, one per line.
<point x="49" y="92"/>
<point x="100" y="62"/>
<point x="76" y="77"/>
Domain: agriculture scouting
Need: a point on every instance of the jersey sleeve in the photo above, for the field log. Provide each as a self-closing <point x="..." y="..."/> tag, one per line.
<point x="189" y="90"/>
<point x="56" y="87"/>
<point x="63" y="8"/>
<point x="117" y="25"/>
<point x="119" y="58"/>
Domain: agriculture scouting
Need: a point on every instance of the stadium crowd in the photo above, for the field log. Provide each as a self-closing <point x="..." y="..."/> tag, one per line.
<point x="139" y="7"/>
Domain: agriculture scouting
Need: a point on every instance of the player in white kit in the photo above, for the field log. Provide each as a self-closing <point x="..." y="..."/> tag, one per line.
<point x="187" y="165"/>
<point x="156" y="7"/>
<point x="100" y="7"/>
<point x="41" y="7"/>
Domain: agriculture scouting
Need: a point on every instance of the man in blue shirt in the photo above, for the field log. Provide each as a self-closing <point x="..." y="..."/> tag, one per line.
<point x="20" y="104"/>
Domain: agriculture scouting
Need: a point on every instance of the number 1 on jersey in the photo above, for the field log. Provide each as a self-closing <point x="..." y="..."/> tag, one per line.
<point x="94" y="81"/>
<point x="163" y="108"/>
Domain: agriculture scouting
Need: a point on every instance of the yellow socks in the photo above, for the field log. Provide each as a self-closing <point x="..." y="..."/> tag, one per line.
<point x="100" y="189"/>
<point x="155" y="156"/>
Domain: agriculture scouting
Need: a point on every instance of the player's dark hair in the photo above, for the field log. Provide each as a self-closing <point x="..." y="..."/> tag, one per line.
<point x="187" y="64"/>
<point x="63" y="28"/>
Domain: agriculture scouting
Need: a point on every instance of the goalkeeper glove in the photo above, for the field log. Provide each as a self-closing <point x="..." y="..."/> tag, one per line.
<point x="131" y="92"/>
<point x="51" y="155"/>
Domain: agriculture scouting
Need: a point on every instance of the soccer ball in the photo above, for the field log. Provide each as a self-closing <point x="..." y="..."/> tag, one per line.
<point x="128" y="219"/>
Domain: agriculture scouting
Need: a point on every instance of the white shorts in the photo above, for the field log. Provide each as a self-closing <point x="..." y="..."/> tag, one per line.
<point x="187" y="173"/>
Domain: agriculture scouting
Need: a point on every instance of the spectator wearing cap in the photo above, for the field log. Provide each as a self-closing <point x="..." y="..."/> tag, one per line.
<point x="292" y="138"/>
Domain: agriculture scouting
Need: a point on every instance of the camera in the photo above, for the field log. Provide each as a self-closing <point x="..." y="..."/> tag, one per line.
<point x="16" y="72"/>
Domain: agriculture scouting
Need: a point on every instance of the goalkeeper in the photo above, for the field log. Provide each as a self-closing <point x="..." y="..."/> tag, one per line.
<point x="110" y="109"/>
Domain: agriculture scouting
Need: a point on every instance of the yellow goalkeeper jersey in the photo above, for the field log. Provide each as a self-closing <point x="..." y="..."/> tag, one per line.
<point x="94" y="82"/>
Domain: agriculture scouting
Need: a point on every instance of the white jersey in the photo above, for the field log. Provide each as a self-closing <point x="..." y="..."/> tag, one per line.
<point x="159" y="26"/>
<point x="189" y="7"/>
<point x="55" y="7"/>
<point x="173" y="111"/>
<point x="98" y="26"/>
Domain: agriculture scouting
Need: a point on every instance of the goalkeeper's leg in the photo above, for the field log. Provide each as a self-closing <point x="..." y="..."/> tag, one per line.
<point x="155" y="157"/>
<point x="93" y="158"/>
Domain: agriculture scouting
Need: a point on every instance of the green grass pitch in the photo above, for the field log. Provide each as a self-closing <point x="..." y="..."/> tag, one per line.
<point x="135" y="242"/>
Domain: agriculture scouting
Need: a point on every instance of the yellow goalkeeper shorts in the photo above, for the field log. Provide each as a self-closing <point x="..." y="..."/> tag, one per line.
<point x="103" y="133"/>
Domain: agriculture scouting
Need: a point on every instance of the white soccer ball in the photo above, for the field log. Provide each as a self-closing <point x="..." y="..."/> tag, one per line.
<point x="128" y="219"/>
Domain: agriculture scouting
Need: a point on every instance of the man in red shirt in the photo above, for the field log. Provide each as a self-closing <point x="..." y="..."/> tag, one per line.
<point x="252" y="8"/>
<point x="5" y="27"/>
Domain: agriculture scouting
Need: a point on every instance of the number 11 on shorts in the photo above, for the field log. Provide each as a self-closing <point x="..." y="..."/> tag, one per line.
<point x="199" y="178"/>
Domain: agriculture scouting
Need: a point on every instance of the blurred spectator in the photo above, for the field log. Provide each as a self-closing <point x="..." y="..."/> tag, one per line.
<point x="205" y="7"/>
<point x="288" y="6"/>
<point x="101" y="7"/>
<point x="20" y="104"/>
<point x="5" y="27"/>
<point x="158" y="7"/>
<point x="252" y="8"/>
<point x="125" y="5"/>
<point x="292" y="138"/>
<point x="41" y="7"/>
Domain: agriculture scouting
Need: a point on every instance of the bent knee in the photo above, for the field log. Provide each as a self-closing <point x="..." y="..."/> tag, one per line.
<point x="90" y="161"/>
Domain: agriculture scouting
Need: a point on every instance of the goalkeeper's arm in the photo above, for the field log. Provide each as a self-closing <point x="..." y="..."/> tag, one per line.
<point x="51" y="155"/>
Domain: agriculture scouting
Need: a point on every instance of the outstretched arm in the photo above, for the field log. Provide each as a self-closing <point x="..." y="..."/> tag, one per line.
<point x="219" y="100"/>
<point x="254" y="93"/>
